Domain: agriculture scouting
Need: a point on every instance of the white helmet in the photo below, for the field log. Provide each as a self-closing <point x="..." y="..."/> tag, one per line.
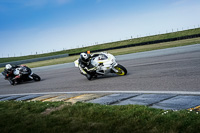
<point x="8" y="66"/>
<point x="85" y="56"/>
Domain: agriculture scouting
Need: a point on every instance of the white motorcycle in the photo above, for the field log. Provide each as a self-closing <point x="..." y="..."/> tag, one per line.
<point x="103" y="63"/>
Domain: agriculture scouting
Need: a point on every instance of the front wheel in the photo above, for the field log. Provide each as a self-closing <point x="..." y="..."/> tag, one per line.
<point x="36" y="77"/>
<point x="12" y="82"/>
<point x="89" y="77"/>
<point x="121" y="70"/>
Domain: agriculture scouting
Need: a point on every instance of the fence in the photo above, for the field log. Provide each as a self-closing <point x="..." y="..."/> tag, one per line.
<point x="33" y="60"/>
<point x="130" y="45"/>
<point x="146" y="43"/>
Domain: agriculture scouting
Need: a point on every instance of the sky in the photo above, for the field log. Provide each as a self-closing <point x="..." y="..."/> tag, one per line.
<point x="39" y="26"/>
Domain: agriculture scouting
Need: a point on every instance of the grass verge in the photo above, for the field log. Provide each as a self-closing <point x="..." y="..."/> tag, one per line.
<point x="86" y="117"/>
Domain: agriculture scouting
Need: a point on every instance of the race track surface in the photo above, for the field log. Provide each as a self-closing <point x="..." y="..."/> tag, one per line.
<point x="172" y="69"/>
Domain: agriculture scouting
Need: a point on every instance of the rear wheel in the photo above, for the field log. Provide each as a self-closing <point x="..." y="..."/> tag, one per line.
<point x="121" y="70"/>
<point x="36" y="77"/>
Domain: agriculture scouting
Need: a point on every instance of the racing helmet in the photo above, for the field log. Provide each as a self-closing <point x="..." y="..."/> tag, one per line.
<point x="8" y="66"/>
<point x="85" y="57"/>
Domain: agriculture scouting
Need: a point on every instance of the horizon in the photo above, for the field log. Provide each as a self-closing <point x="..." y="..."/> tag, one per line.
<point x="173" y="31"/>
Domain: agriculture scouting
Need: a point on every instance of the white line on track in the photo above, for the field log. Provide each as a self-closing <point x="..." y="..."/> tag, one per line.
<point x="86" y="92"/>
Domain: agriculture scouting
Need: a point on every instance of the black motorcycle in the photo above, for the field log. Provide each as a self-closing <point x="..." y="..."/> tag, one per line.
<point x="25" y="75"/>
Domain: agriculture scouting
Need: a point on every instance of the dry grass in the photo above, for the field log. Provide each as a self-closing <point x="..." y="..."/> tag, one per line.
<point x="53" y="61"/>
<point x="155" y="46"/>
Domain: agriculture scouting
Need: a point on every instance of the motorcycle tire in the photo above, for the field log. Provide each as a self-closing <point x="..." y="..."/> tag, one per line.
<point x="121" y="70"/>
<point x="89" y="77"/>
<point x="36" y="77"/>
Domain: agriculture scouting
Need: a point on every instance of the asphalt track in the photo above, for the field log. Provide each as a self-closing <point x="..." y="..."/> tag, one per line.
<point x="168" y="70"/>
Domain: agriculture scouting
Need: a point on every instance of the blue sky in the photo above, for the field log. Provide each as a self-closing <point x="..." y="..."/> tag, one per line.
<point x="30" y="26"/>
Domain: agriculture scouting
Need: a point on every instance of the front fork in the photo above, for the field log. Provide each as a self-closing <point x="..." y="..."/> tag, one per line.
<point x="3" y="73"/>
<point x="30" y="76"/>
<point x="113" y="68"/>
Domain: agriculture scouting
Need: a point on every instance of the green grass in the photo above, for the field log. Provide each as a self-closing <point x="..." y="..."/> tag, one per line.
<point x="109" y="45"/>
<point x="2" y="60"/>
<point x="22" y="117"/>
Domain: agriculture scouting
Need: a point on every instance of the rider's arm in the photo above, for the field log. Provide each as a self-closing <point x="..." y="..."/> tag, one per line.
<point x="94" y="55"/>
<point x="81" y="64"/>
<point x="7" y="73"/>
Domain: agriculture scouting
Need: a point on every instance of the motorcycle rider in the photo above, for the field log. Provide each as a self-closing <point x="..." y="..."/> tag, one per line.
<point x="9" y="72"/>
<point x="19" y="73"/>
<point x="85" y="64"/>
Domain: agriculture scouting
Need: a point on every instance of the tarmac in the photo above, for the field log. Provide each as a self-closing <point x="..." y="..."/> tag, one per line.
<point x="165" y="101"/>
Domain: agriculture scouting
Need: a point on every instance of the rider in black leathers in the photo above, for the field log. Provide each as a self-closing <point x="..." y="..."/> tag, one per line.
<point x="85" y="64"/>
<point x="9" y="71"/>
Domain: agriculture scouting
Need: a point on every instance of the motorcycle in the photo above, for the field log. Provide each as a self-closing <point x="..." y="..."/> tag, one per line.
<point x="103" y="63"/>
<point x="25" y="75"/>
